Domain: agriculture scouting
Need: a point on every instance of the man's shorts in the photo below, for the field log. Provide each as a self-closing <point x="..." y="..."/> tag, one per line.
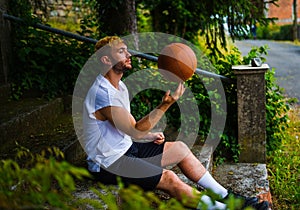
<point x="140" y="165"/>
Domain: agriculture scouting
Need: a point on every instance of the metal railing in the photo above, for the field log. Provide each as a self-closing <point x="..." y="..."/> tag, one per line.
<point x="94" y="41"/>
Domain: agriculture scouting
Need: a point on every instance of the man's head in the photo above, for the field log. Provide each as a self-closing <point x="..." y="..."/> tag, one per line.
<point x="114" y="54"/>
<point x="108" y="42"/>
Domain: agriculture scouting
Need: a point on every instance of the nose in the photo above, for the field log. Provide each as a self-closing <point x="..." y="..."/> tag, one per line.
<point x="128" y="55"/>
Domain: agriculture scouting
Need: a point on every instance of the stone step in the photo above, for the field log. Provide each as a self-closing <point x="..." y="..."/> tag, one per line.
<point x="248" y="179"/>
<point x="35" y="124"/>
<point x="26" y="117"/>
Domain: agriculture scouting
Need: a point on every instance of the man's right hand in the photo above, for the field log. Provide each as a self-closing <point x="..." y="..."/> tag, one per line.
<point x="175" y="96"/>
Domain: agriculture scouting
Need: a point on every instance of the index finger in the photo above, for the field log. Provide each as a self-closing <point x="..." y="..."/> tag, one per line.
<point x="180" y="89"/>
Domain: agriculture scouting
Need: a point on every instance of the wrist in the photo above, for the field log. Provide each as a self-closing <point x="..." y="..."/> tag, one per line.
<point x="166" y="104"/>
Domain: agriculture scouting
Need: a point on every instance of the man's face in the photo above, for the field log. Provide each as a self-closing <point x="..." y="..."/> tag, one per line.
<point x="120" y="58"/>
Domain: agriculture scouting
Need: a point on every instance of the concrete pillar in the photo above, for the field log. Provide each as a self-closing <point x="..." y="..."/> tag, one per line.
<point x="5" y="44"/>
<point x="251" y="99"/>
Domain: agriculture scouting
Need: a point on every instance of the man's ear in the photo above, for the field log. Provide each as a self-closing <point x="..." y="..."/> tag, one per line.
<point x="105" y="59"/>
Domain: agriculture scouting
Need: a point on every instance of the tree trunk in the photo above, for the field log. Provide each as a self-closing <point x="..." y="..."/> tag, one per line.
<point x="5" y="44"/>
<point x="295" y="25"/>
<point x="117" y="17"/>
<point x="132" y="20"/>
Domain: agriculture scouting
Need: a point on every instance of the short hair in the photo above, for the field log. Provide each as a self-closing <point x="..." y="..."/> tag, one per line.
<point x="108" y="42"/>
<point x="103" y="48"/>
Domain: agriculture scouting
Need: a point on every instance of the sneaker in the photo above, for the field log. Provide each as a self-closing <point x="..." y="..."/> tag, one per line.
<point x="249" y="201"/>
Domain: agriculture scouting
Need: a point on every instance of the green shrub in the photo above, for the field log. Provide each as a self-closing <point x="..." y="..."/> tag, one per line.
<point x="68" y="25"/>
<point x="275" y="32"/>
<point x="267" y="32"/>
<point x="228" y="148"/>
<point x="40" y="181"/>
<point x="45" y="62"/>
<point x="285" y="33"/>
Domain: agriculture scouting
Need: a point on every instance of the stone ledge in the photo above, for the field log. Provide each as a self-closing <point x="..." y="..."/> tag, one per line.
<point x="248" y="179"/>
<point x="30" y="121"/>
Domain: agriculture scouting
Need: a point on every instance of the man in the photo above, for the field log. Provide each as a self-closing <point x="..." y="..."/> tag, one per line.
<point x="118" y="145"/>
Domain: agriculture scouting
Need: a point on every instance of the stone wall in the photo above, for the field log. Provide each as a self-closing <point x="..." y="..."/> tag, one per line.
<point x="60" y="8"/>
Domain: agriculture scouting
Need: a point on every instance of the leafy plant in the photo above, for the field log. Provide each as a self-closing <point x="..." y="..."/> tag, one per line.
<point x="45" y="62"/>
<point x="41" y="180"/>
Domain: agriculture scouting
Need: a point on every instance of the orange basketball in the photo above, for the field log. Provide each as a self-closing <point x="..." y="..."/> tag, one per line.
<point x="177" y="62"/>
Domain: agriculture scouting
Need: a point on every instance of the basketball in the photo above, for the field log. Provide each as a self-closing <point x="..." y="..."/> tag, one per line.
<point x="177" y="62"/>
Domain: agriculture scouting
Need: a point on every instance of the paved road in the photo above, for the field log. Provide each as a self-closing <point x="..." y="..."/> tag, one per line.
<point x="285" y="58"/>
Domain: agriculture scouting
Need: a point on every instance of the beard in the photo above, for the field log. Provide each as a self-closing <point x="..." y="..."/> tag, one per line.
<point x="121" y="67"/>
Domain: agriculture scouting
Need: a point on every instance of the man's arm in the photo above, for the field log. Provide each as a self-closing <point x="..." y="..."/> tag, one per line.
<point x="124" y="121"/>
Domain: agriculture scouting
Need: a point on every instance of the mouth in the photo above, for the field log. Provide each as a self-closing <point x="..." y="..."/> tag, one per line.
<point x="128" y="61"/>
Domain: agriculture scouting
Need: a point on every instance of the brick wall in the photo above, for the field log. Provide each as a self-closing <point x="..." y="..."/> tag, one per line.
<point x="284" y="12"/>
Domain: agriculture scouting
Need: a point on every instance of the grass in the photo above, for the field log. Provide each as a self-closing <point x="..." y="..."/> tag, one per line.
<point x="284" y="167"/>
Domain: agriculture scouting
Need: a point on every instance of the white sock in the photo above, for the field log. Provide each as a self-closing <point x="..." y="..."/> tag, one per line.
<point x="210" y="205"/>
<point x="208" y="182"/>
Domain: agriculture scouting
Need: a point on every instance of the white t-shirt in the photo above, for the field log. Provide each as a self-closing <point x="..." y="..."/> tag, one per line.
<point x="103" y="143"/>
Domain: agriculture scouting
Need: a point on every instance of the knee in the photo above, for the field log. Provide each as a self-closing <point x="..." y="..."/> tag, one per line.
<point x="182" y="145"/>
<point x="182" y="148"/>
<point x="169" y="178"/>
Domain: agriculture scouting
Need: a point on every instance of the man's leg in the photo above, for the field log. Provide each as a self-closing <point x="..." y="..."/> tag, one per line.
<point x="178" y="153"/>
<point x="189" y="196"/>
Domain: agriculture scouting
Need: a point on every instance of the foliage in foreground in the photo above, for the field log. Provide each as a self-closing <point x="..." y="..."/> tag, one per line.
<point x="46" y="181"/>
<point x="38" y="182"/>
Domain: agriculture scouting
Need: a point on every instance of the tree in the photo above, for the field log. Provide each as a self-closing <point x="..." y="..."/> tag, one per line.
<point x="188" y="18"/>
<point x="117" y="17"/>
<point x="295" y="17"/>
<point x="183" y="18"/>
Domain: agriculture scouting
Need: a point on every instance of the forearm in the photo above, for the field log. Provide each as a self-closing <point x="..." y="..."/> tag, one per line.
<point x="150" y="120"/>
<point x="146" y="124"/>
<point x="149" y="137"/>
